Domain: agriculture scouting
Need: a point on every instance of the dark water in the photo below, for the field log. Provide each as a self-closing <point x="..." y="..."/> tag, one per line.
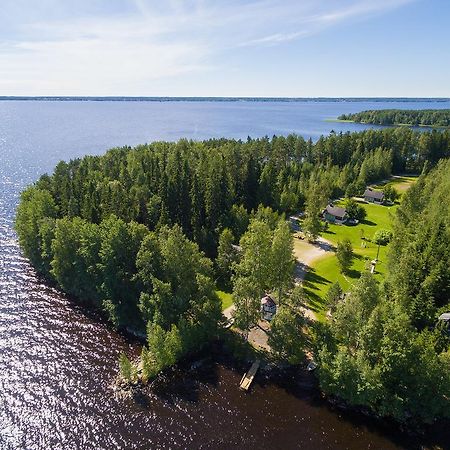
<point x="57" y="360"/>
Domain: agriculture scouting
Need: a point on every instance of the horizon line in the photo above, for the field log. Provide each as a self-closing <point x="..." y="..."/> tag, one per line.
<point x="208" y="98"/>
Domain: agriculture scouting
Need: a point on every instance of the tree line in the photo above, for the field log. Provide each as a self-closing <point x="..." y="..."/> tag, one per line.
<point x="413" y="117"/>
<point x="385" y="349"/>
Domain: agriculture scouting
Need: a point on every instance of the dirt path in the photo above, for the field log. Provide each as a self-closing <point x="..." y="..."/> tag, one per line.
<point x="228" y="312"/>
<point x="306" y="254"/>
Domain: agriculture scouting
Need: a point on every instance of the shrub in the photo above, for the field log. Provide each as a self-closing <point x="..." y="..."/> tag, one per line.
<point x="382" y="237"/>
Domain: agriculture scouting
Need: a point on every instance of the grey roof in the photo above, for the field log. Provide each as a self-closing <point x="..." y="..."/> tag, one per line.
<point x="268" y="300"/>
<point x="444" y="316"/>
<point x="335" y="211"/>
<point x="374" y="194"/>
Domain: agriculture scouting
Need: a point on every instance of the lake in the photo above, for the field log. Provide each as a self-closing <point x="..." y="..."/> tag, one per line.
<point x="58" y="360"/>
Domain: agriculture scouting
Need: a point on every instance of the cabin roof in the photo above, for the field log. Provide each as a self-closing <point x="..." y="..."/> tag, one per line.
<point x="268" y="300"/>
<point x="335" y="211"/>
<point x="374" y="194"/>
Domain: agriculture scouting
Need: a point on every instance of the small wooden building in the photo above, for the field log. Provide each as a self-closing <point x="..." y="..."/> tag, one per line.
<point x="268" y="307"/>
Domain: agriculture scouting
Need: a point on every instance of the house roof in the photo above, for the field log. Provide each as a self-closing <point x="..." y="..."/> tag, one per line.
<point x="268" y="300"/>
<point x="374" y="194"/>
<point x="444" y="316"/>
<point x="335" y="211"/>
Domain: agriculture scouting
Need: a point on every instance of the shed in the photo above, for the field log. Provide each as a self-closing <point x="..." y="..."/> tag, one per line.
<point x="268" y="307"/>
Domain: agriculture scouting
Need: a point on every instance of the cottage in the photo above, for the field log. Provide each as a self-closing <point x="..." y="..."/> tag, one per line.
<point x="335" y="214"/>
<point x="268" y="307"/>
<point x="372" y="196"/>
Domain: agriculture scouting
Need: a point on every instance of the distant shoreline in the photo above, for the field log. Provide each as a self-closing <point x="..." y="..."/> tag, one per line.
<point x="224" y="99"/>
<point x="390" y="124"/>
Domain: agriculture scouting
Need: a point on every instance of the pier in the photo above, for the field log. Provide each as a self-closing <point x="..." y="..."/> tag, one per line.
<point x="247" y="379"/>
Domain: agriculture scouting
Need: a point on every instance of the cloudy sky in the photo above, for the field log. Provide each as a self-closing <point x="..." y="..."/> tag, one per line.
<point x="292" y="48"/>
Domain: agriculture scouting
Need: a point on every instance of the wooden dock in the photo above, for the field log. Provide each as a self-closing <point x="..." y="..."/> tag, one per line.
<point x="247" y="379"/>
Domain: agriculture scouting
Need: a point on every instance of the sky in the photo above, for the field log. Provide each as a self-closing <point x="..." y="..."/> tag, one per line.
<point x="251" y="48"/>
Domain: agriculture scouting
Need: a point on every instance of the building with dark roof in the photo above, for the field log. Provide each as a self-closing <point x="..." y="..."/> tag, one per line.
<point x="335" y="214"/>
<point x="372" y="196"/>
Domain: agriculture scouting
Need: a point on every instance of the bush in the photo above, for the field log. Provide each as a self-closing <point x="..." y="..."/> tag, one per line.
<point x="344" y="253"/>
<point x="390" y="193"/>
<point x="382" y="237"/>
<point x="355" y="210"/>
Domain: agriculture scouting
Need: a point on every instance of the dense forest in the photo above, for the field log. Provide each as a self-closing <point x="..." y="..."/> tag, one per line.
<point x="420" y="117"/>
<point x="384" y="348"/>
<point x="147" y="234"/>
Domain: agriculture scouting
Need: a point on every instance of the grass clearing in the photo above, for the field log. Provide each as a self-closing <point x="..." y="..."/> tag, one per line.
<point x="325" y="271"/>
<point x="400" y="183"/>
<point x="226" y="299"/>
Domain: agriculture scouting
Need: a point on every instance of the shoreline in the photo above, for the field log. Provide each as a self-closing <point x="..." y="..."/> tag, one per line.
<point x="435" y="127"/>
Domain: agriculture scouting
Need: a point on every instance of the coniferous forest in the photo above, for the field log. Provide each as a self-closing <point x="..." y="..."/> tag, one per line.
<point x="147" y="233"/>
<point x="420" y="117"/>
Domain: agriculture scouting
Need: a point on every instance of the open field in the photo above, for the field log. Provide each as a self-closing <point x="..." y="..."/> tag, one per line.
<point x="325" y="270"/>
<point x="400" y="183"/>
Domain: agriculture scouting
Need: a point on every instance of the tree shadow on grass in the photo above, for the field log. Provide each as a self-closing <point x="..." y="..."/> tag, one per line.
<point x="313" y="278"/>
<point x="315" y="302"/>
<point x="353" y="274"/>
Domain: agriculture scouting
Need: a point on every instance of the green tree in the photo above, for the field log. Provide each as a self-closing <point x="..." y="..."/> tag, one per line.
<point x="382" y="237"/>
<point x="287" y="338"/>
<point x="390" y="193"/>
<point x="378" y="361"/>
<point x="355" y="210"/>
<point x="247" y="301"/>
<point x="333" y="296"/>
<point x="227" y="257"/>
<point x="126" y="368"/>
<point x="282" y="261"/>
<point x="344" y="253"/>
<point x="35" y="206"/>
<point x="315" y="201"/>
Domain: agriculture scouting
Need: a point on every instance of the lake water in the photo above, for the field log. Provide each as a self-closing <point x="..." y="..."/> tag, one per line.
<point x="58" y="360"/>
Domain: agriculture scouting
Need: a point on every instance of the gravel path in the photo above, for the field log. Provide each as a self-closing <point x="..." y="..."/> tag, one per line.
<point x="304" y="260"/>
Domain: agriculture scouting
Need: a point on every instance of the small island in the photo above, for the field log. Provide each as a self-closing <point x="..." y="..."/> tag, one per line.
<point x="435" y="118"/>
<point x="167" y="238"/>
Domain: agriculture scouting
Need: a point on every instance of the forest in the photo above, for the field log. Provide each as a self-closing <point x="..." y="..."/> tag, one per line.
<point x="420" y="117"/>
<point x="148" y="234"/>
<point x="385" y="349"/>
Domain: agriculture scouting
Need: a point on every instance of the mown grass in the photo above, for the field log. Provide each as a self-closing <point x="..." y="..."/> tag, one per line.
<point x="400" y="183"/>
<point x="325" y="270"/>
<point x="226" y="299"/>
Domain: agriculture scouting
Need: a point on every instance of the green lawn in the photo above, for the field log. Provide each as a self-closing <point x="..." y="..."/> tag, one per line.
<point x="225" y="298"/>
<point x="325" y="270"/>
<point x="400" y="183"/>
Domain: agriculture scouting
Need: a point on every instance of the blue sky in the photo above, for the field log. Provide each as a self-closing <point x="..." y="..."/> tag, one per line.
<point x="292" y="48"/>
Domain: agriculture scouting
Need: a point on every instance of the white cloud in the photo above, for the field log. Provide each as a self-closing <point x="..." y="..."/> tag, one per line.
<point x="122" y="54"/>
